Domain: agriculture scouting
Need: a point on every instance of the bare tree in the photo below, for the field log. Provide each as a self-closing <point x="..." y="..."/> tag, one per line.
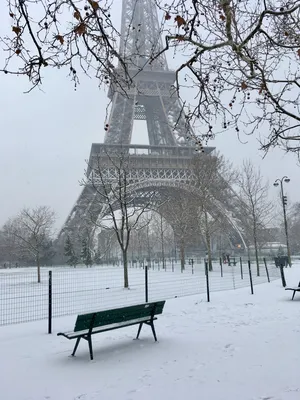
<point x="180" y="212"/>
<point x="106" y="245"/>
<point x="63" y="33"/>
<point x="32" y="229"/>
<point x="156" y="237"/>
<point x="8" y="246"/>
<point x="148" y="235"/>
<point x="213" y="179"/>
<point x="243" y="58"/>
<point x="255" y="207"/>
<point x="116" y="193"/>
<point x="161" y="233"/>
<point x="140" y="241"/>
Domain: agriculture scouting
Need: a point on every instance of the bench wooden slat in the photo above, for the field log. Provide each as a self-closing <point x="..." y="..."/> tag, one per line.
<point x="105" y="328"/>
<point x="112" y="316"/>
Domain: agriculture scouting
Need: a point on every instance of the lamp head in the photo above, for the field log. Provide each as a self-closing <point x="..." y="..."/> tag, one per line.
<point x="276" y="184"/>
<point x="287" y="180"/>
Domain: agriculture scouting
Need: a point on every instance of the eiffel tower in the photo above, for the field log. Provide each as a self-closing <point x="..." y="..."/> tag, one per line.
<point x="151" y="97"/>
<point x="162" y="166"/>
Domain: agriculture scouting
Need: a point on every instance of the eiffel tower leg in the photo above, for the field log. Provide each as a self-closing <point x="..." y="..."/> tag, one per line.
<point x="82" y="221"/>
<point x="177" y="120"/>
<point x="159" y="130"/>
<point x="121" y="120"/>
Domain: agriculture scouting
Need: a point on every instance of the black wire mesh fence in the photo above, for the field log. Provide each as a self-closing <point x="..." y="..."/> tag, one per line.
<point x="80" y="290"/>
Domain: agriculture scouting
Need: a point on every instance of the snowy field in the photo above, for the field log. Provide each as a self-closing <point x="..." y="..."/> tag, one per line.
<point x="83" y="289"/>
<point x="239" y="347"/>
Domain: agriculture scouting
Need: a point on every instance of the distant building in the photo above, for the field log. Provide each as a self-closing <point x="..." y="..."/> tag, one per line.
<point x="272" y="249"/>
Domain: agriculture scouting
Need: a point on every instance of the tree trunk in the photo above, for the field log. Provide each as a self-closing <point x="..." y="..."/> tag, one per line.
<point x="256" y="250"/>
<point x="182" y="257"/>
<point x="208" y="244"/>
<point x="256" y="257"/>
<point x="125" y="266"/>
<point x="38" y="268"/>
<point x="162" y="242"/>
<point x="209" y="256"/>
<point x="149" y="249"/>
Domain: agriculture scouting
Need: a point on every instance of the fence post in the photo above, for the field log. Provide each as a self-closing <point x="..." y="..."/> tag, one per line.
<point x="250" y="276"/>
<point x="267" y="271"/>
<point x="241" y="264"/>
<point x="233" y="277"/>
<point x="146" y="283"/>
<point x="282" y="275"/>
<point x="207" y="281"/>
<point x="221" y="265"/>
<point x="50" y="303"/>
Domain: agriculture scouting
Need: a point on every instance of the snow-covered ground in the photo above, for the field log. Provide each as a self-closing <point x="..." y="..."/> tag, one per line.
<point x="238" y="347"/>
<point x="83" y="289"/>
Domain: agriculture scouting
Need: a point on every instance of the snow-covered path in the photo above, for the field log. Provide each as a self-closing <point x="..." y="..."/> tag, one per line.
<point x="238" y="347"/>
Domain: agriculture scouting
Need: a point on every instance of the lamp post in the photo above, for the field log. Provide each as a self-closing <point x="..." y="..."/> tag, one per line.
<point x="281" y="181"/>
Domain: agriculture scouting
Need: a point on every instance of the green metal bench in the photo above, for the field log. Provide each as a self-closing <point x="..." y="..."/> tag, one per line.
<point x="89" y="324"/>
<point x="294" y="289"/>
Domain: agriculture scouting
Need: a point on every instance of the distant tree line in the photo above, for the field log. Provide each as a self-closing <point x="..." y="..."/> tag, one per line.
<point x="181" y="225"/>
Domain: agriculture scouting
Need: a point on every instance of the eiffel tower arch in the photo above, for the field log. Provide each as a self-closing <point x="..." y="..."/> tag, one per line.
<point x="164" y="166"/>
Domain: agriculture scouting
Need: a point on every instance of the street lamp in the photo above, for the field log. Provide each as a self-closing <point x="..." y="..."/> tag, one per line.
<point x="281" y="181"/>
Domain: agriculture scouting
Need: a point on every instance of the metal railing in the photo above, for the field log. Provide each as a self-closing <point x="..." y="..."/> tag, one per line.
<point x="67" y="291"/>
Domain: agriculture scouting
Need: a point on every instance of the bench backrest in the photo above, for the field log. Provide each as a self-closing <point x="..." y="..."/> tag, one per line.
<point x="118" y="315"/>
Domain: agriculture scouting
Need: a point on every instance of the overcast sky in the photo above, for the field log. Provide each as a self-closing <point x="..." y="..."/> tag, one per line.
<point x="46" y="137"/>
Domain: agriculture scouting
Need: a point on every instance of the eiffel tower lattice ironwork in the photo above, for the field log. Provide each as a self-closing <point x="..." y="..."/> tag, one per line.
<point x="162" y="166"/>
<point x="152" y="96"/>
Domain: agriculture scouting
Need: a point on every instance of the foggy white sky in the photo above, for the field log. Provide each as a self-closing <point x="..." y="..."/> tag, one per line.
<point x="46" y="137"/>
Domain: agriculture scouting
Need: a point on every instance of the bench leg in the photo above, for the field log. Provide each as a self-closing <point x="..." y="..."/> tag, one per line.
<point x="89" y="339"/>
<point x="76" y="345"/>
<point x="153" y="330"/>
<point x="139" y="330"/>
<point x="293" y="294"/>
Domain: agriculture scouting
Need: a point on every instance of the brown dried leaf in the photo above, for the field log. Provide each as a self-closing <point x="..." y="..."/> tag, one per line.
<point x="180" y="38"/>
<point x="167" y="17"/>
<point x="80" y="29"/>
<point x="16" y="29"/>
<point x="11" y="14"/>
<point x="244" y="85"/>
<point x="222" y="17"/>
<point x="77" y="15"/>
<point x="60" y="38"/>
<point x="180" y="21"/>
<point x="298" y="52"/>
<point x="94" y="4"/>
<point x="18" y="51"/>
<point x="262" y="88"/>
